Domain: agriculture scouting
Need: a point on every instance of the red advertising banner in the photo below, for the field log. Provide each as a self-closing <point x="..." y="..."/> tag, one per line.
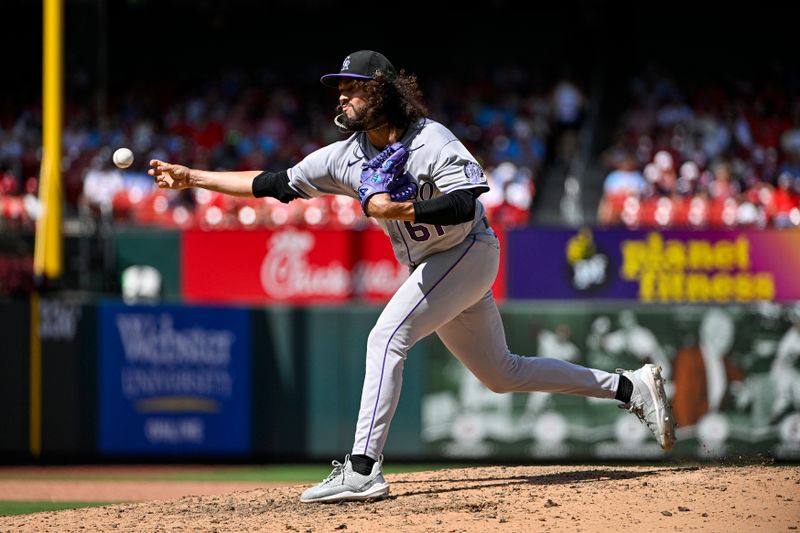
<point x="292" y="265"/>
<point x="377" y="274"/>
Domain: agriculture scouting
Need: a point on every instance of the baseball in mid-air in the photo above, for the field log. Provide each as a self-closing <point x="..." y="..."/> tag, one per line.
<point x="123" y="158"/>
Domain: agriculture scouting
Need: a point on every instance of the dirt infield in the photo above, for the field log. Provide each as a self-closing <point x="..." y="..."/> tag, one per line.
<point x="535" y="498"/>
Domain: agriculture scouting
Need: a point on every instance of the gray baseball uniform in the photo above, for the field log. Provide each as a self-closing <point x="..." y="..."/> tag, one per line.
<point x="448" y="291"/>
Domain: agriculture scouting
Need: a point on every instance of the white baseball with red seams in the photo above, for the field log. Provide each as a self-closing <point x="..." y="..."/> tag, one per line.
<point x="448" y="291"/>
<point x="123" y="158"/>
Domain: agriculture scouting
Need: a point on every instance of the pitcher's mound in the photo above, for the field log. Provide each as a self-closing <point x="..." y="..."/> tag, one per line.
<point x="534" y="498"/>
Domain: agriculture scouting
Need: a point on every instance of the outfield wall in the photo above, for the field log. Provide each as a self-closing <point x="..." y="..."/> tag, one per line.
<point x="186" y="382"/>
<point x="253" y="346"/>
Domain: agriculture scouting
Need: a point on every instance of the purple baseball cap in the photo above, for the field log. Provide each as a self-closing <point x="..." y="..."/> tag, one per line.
<point x="363" y="64"/>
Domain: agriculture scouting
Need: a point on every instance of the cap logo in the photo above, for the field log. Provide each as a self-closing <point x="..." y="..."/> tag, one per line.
<point x="346" y="64"/>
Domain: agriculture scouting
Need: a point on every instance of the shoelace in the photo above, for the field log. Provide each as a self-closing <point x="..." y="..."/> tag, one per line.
<point x="638" y="410"/>
<point x="635" y="408"/>
<point x="338" y="469"/>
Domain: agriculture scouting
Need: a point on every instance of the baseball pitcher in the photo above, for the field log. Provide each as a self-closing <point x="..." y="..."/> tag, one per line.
<point x="422" y="185"/>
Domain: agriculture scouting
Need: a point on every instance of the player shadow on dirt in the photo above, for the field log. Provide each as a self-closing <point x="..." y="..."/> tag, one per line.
<point x="561" y="478"/>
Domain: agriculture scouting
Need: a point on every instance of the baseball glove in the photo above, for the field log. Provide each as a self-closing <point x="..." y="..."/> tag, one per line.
<point x="386" y="173"/>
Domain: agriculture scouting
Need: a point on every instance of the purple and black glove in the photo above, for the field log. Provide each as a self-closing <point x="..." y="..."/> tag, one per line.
<point x="386" y="173"/>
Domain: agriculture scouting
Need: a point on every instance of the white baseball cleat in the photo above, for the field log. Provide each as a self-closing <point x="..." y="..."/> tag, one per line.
<point x="344" y="484"/>
<point x="649" y="403"/>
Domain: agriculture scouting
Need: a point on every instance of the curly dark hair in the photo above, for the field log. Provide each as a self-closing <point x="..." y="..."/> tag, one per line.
<point x="397" y="98"/>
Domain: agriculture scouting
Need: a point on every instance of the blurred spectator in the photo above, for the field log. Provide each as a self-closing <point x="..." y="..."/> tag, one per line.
<point x="568" y="109"/>
<point x="624" y="181"/>
<point x="100" y="186"/>
<point x="30" y="200"/>
<point x="790" y="145"/>
<point x="511" y="191"/>
<point x="786" y="201"/>
<point x="505" y="117"/>
<point x="722" y="187"/>
<point x="710" y="155"/>
<point x="700" y="150"/>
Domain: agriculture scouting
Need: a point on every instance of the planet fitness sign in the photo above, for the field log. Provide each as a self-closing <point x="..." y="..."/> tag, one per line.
<point x="668" y="266"/>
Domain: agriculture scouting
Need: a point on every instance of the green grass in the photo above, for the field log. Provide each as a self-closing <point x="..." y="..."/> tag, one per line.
<point x="287" y="473"/>
<point x="291" y="473"/>
<point x="297" y="473"/>
<point x="8" y="508"/>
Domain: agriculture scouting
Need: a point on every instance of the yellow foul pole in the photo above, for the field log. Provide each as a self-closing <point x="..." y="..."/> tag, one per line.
<point x="47" y="260"/>
<point x="47" y="255"/>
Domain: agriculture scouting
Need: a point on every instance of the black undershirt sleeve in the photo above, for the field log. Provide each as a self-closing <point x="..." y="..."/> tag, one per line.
<point x="450" y="209"/>
<point x="274" y="185"/>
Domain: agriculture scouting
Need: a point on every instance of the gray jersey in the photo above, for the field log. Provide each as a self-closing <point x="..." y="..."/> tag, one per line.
<point x="438" y="162"/>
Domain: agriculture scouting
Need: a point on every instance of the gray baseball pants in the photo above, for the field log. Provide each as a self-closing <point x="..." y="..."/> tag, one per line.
<point x="450" y="294"/>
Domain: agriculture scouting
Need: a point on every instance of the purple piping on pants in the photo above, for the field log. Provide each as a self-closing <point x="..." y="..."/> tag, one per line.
<point x="386" y="351"/>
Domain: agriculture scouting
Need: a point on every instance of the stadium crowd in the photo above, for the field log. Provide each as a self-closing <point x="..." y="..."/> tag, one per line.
<point x="685" y="154"/>
<point x="704" y="154"/>
<point x="237" y="123"/>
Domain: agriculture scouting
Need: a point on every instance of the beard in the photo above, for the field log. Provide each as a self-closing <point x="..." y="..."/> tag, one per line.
<point x="360" y="121"/>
